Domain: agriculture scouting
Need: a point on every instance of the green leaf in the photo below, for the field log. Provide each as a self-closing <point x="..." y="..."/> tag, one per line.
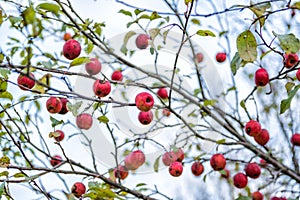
<point x="286" y="103"/>
<point x="195" y="21"/>
<point x="1" y="17"/>
<point x="296" y="5"/>
<point x="100" y="193"/>
<point x="74" y="108"/>
<point x="205" y="33"/>
<point x="14" y="20"/>
<point x="289" y="86"/>
<point x="264" y="54"/>
<point x="130" y="23"/>
<point x="137" y="11"/>
<point x="55" y="122"/>
<point x="103" y="119"/>
<point x="2" y="186"/>
<point x="4" y="161"/>
<point x="204" y="178"/>
<point x="6" y="95"/>
<point x="53" y="8"/>
<point x="144" y="16"/>
<point x="154" y="16"/>
<point x="156" y="164"/>
<point x="223" y="172"/>
<point x="242" y="104"/>
<point x="152" y="50"/>
<point x="79" y="61"/>
<point x="45" y="80"/>
<point x="19" y="175"/>
<point x="288" y="42"/>
<point x="1" y="58"/>
<point x="128" y="36"/>
<point x="154" y="32"/>
<point x="125" y="12"/>
<point x="4" y="73"/>
<point x="197" y="91"/>
<point x="210" y="102"/>
<point x="259" y="11"/>
<point x="187" y="2"/>
<point x="222" y="141"/>
<point x="165" y="34"/>
<point x="246" y="45"/>
<point x="140" y="184"/>
<point x="89" y="48"/>
<point x="28" y="15"/>
<point x="4" y="173"/>
<point x="243" y="198"/>
<point x="223" y="33"/>
<point x="54" y="134"/>
<point x="235" y="63"/>
<point x="3" y="85"/>
<point x="124" y="50"/>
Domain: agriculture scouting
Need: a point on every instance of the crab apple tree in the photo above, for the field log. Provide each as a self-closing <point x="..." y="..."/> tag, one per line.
<point x="100" y="102"/>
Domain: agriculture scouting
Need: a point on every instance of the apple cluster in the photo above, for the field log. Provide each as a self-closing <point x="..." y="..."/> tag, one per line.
<point x="253" y="129"/>
<point x="173" y="159"/>
<point x="261" y="77"/>
<point x="144" y="102"/>
<point x="132" y="162"/>
<point x="252" y="170"/>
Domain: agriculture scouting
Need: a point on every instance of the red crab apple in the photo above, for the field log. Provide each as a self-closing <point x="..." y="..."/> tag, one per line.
<point x="261" y="77"/>
<point x="145" y="117"/>
<point x="175" y="169"/>
<point x="56" y="160"/>
<point x="295" y="139"/>
<point x="293" y="13"/>
<point x="84" y="121"/>
<point x="64" y="108"/>
<point x="199" y="57"/>
<point x="166" y="112"/>
<point x="117" y="75"/>
<point x="253" y="128"/>
<point x="163" y="93"/>
<point x="298" y="74"/>
<point x="53" y="105"/>
<point x="263" y="137"/>
<point x="134" y="160"/>
<point x="67" y="36"/>
<point x="225" y="173"/>
<point x="142" y="41"/>
<point x="60" y="137"/>
<point x="263" y="163"/>
<point x="78" y="189"/>
<point x="197" y="168"/>
<point x="144" y="101"/>
<point x="168" y="158"/>
<point x="121" y="172"/>
<point x="25" y="83"/>
<point x="101" y="88"/>
<point x="71" y="49"/>
<point x="218" y="162"/>
<point x="257" y="196"/>
<point x="240" y="180"/>
<point x="179" y="155"/>
<point x="252" y="170"/>
<point x="278" y="198"/>
<point x="290" y="60"/>
<point x="93" y="67"/>
<point x="221" y="57"/>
